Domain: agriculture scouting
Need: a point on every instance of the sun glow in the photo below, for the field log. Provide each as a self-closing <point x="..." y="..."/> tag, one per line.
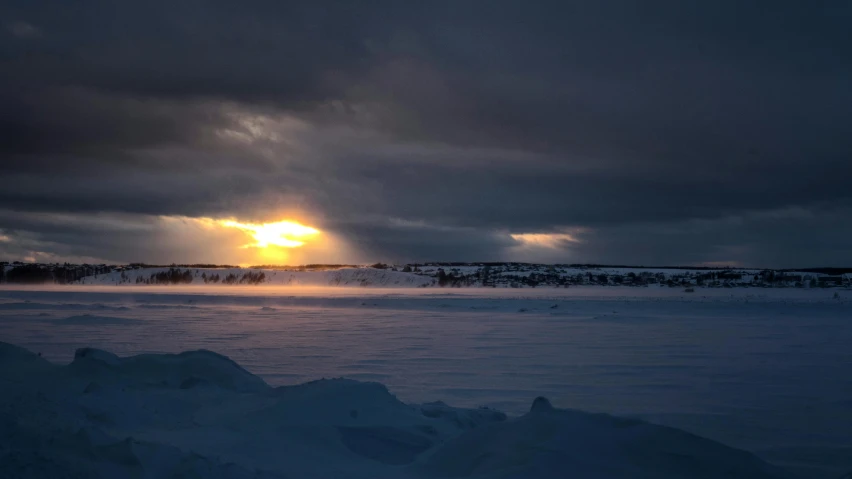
<point x="544" y="240"/>
<point x="286" y="234"/>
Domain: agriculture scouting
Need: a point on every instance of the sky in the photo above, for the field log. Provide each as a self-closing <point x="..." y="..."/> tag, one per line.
<point x="611" y="131"/>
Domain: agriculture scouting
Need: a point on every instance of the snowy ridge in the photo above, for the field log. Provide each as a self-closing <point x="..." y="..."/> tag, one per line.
<point x="504" y="275"/>
<point x="498" y="275"/>
<point x="199" y="414"/>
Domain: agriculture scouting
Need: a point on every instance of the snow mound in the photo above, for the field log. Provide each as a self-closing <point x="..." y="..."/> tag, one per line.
<point x="28" y="452"/>
<point x="387" y="445"/>
<point x="462" y="418"/>
<point x="186" y="370"/>
<point x="96" y="355"/>
<point x="199" y="414"/>
<point x="541" y="405"/>
<point x="17" y="363"/>
<point x="10" y="355"/>
<point x="335" y="400"/>
<point x="547" y="442"/>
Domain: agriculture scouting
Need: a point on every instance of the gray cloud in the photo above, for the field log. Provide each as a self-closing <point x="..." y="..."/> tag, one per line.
<point x="786" y="238"/>
<point x="478" y="120"/>
<point x="23" y="30"/>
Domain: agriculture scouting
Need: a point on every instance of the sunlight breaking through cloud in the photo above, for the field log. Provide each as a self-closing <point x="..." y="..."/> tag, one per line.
<point x="287" y="234"/>
<point x="545" y="240"/>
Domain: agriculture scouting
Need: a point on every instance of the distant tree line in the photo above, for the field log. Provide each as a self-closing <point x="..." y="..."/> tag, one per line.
<point x="170" y="276"/>
<point x="187" y="276"/>
<point x="520" y="275"/>
<point x="35" y="273"/>
<point x="173" y="265"/>
<point x="304" y="267"/>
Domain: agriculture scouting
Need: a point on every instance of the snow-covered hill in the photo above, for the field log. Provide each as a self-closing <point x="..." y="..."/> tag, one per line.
<point x="363" y="277"/>
<point x="506" y="275"/>
<point x="533" y="275"/>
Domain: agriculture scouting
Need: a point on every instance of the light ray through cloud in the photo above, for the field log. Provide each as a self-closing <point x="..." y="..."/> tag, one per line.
<point x="286" y="234"/>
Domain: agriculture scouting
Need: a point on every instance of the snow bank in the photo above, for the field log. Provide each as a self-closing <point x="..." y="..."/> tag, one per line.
<point x="199" y="414"/>
<point x="20" y="364"/>
<point x="186" y="370"/>
<point x="548" y="442"/>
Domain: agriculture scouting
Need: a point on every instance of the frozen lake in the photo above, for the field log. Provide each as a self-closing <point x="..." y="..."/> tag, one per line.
<point x="760" y="369"/>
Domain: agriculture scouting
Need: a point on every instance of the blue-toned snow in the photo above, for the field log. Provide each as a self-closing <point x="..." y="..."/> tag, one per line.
<point x="763" y="370"/>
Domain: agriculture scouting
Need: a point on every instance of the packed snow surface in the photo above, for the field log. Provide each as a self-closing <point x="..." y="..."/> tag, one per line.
<point x="143" y="396"/>
<point x="199" y="414"/>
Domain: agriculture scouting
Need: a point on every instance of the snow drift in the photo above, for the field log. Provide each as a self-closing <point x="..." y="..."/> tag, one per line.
<point x="199" y="414"/>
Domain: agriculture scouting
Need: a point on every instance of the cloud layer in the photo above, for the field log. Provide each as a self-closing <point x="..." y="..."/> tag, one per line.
<point x="663" y="132"/>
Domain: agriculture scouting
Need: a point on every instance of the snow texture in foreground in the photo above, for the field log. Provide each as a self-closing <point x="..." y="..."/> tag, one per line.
<point x="199" y="414"/>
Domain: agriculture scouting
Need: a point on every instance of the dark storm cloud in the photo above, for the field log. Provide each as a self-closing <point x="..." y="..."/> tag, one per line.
<point x="787" y="238"/>
<point x="476" y="118"/>
<point x="400" y="241"/>
<point x="112" y="238"/>
<point x="85" y="127"/>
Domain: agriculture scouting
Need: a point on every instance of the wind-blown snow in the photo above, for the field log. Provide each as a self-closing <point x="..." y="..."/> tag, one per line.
<point x="94" y="319"/>
<point x="199" y="414"/>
